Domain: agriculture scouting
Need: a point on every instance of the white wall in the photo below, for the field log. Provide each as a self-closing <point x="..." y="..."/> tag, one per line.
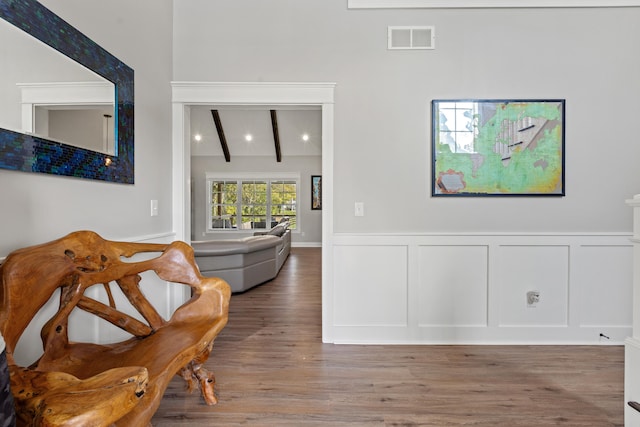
<point x="36" y="208"/>
<point x="382" y="153"/>
<point x="39" y="207"/>
<point x="382" y="98"/>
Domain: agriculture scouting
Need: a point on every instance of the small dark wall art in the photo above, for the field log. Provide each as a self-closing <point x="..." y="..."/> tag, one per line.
<point x="316" y="192"/>
<point x="498" y="147"/>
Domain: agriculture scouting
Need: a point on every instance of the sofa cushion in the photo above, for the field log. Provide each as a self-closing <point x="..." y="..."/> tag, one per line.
<point x="236" y="246"/>
<point x="278" y="230"/>
<point x="207" y="263"/>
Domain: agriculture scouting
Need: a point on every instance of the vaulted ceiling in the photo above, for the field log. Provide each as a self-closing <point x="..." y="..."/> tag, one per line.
<point x="275" y="132"/>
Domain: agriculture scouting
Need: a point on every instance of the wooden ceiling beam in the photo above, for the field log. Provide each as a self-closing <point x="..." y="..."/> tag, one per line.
<point x="223" y="139"/>
<point x="276" y="135"/>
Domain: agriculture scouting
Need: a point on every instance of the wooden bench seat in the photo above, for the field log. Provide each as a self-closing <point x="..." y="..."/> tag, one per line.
<point x="88" y="384"/>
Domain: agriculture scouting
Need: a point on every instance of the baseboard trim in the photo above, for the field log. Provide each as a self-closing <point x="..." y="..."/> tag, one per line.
<point x="306" y="244"/>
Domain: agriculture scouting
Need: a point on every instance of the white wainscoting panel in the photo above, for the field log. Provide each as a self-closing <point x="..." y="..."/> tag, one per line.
<point x="603" y="268"/>
<point x="373" y="287"/>
<point x="544" y="269"/>
<point x="453" y="285"/>
<point x="472" y="289"/>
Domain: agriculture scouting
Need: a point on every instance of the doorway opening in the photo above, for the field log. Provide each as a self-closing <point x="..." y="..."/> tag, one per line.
<point x="187" y="95"/>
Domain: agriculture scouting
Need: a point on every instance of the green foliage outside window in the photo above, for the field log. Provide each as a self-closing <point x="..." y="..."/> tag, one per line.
<point x="252" y="204"/>
<point x="283" y="201"/>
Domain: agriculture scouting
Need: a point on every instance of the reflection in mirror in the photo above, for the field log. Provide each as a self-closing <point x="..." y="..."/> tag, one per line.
<point x="84" y="126"/>
<point x="31" y="142"/>
<point x="70" y="111"/>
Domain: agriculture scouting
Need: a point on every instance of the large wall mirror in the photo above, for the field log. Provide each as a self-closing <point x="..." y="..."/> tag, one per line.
<point x="66" y="104"/>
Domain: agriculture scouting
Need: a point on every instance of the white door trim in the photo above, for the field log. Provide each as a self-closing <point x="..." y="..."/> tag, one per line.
<point x="186" y="94"/>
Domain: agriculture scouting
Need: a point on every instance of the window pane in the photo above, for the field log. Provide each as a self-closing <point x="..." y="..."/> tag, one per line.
<point x="254" y="192"/>
<point x="231" y="193"/>
<point x="251" y="208"/>
<point x="254" y="204"/>
<point x="223" y="192"/>
<point x="465" y="142"/>
<point x="447" y="120"/>
<point x="223" y="216"/>
<point x="283" y="201"/>
<point x="223" y="208"/>
<point x="464" y="121"/>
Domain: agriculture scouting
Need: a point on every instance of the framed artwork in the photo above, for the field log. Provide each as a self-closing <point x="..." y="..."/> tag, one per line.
<point x="316" y="192"/>
<point x="498" y="147"/>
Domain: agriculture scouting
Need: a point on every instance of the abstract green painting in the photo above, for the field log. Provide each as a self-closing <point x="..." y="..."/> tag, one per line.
<point x="498" y="147"/>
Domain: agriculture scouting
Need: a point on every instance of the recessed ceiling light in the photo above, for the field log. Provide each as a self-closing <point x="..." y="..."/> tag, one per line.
<point x="248" y="137"/>
<point x="305" y="136"/>
<point x="197" y="137"/>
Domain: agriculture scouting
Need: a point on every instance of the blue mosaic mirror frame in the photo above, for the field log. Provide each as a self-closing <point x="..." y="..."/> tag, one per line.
<point x="27" y="153"/>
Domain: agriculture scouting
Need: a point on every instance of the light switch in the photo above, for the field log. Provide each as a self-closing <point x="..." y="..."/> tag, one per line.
<point x="154" y="208"/>
<point x="359" y="209"/>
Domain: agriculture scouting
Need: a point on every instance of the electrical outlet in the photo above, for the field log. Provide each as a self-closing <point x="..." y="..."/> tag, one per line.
<point x="533" y="298"/>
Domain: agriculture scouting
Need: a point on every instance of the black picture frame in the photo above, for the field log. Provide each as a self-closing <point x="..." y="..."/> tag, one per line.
<point x="316" y="192"/>
<point x="498" y="147"/>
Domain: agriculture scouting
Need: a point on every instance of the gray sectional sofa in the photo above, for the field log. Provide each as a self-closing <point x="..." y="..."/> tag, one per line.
<point x="247" y="262"/>
<point x="284" y="247"/>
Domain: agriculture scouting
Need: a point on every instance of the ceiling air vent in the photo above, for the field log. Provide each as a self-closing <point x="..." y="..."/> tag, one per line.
<point x="411" y="37"/>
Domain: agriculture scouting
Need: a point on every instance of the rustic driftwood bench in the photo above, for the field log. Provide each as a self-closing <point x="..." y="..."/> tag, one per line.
<point x="87" y="384"/>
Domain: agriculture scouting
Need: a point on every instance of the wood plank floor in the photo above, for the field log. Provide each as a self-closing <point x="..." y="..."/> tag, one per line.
<point x="273" y="370"/>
